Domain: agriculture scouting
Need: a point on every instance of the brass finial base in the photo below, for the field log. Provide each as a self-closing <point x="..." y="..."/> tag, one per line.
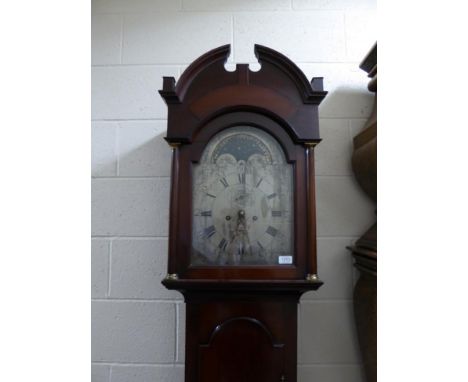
<point x="174" y="145"/>
<point x="312" y="277"/>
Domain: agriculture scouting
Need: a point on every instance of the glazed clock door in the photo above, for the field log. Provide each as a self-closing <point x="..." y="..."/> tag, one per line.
<point x="243" y="205"/>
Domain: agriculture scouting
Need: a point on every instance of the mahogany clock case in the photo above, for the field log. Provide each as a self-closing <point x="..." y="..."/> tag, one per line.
<point x="241" y="321"/>
<point x="208" y="99"/>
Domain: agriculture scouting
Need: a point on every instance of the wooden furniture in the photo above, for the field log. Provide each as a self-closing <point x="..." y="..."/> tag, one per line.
<point x="242" y="240"/>
<point x="364" y="162"/>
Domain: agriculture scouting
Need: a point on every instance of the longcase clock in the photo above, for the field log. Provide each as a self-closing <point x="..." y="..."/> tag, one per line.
<point x="242" y="231"/>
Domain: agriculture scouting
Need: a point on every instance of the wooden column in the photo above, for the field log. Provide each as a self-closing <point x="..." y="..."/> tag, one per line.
<point x="171" y="265"/>
<point x="364" y="162"/>
<point x="311" y="218"/>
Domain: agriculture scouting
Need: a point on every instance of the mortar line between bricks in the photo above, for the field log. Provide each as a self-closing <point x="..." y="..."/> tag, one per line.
<point x="131" y="65"/>
<point x="130" y="119"/>
<point x="116" y="363"/>
<point x="131" y="177"/>
<point x="247" y="11"/>
<point x="116" y="299"/>
<point x="123" y="65"/>
<point x="220" y="11"/>
<point x="120" y="237"/>
<point x="176" y="334"/>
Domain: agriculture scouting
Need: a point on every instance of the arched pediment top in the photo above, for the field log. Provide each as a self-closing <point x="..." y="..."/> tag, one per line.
<point x="312" y="92"/>
<point x="216" y="57"/>
<point x="174" y="93"/>
<point x="206" y="89"/>
<point x="214" y="60"/>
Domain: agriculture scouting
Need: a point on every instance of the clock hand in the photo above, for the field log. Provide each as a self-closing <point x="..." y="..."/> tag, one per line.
<point x="241" y="221"/>
<point x="242" y="233"/>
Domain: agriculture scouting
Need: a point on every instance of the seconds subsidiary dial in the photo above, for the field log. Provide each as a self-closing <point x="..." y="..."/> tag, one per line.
<point x="242" y="201"/>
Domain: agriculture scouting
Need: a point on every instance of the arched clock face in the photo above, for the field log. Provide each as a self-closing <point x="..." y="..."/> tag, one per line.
<point x="242" y="201"/>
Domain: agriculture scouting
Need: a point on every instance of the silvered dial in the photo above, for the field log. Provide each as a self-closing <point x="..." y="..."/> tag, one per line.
<point x="242" y="201"/>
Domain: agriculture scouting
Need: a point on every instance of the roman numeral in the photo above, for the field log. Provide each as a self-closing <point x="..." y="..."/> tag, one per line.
<point x="222" y="244"/>
<point x="224" y="182"/>
<point x="210" y="195"/>
<point x="241" y="250"/>
<point x="242" y="178"/>
<point x="276" y="213"/>
<point x="271" y="231"/>
<point x="258" y="183"/>
<point x="271" y="196"/>
<point x="205" y="213"/>
<point x="210" y="231"/>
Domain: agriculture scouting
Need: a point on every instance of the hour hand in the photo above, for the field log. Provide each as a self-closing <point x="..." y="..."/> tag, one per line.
<point x="241" y="220"/>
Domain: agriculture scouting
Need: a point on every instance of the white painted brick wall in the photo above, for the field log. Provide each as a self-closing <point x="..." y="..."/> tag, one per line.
<point x="289" y="32"/>
<point x="137" y="267"/>
<point x="139" y="326"/>
<point x="173" y="37"/>
<point x="133" y="331"/>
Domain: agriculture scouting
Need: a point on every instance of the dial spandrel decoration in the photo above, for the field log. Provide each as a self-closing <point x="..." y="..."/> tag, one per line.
<point x="242" y="201"/>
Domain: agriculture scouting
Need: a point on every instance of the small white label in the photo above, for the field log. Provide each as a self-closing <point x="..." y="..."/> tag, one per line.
<point x="285" y="260"/>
